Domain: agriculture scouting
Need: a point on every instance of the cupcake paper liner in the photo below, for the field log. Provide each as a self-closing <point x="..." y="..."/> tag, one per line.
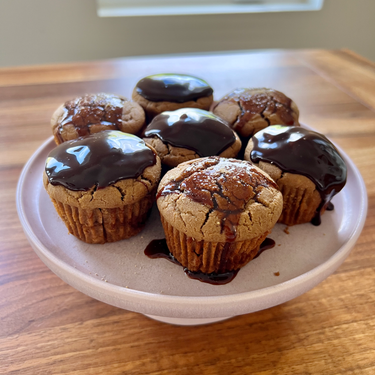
<point x="210" y="257"/>
<point x="101" y="225"/>
<point x="299" y="207"/>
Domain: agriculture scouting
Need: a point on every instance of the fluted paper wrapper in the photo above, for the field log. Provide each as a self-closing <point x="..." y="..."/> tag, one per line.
<point x="210" y="257"/>
<point x="299" y="206"/>
<point x="101" y="225"/>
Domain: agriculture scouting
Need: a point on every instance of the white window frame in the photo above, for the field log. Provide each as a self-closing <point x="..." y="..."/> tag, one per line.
<point x="128" y="8"/>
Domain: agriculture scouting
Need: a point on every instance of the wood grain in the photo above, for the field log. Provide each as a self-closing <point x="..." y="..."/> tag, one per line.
<point x="47" y="327"/>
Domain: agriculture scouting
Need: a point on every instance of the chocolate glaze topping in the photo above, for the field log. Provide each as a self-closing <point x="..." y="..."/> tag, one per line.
<point x="178" y="88"/>
<point x="301" y="151"/>
<point x="92" y="109"/>
<point x="194" y="129"/>
<point x="100" y="160"/>
<point x="223" y="185"/>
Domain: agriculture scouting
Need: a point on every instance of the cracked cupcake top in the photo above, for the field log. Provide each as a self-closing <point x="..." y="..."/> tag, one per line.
<point x="218" y="199"/>
<point x="109" y="159"/>
<point x="93" y="113"/>
<point x="250" y="110"/>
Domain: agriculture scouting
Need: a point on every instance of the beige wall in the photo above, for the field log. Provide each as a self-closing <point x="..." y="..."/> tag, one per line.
<point x="49" y="31"/>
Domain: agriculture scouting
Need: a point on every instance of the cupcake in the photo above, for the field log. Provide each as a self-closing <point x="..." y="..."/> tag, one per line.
<point x="190" y="133"/>
<point x="167" y="92"/>
<point x="305" y="165"/>
<point x="249" y="110"/>
<point x="93" y="113"/>
<point x="103" y="185"/>
<point x="216" y="212"/>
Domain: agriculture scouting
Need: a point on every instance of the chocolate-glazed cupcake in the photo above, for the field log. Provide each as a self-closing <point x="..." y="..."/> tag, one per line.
<point x="306" y="166"/>
<point x="167" y="92"/>
<point x="190" y="133"/>
<point x="249" y="110"/>
<point x="93" y="113"/>
<point x="103" y="185"/>
<point x="216" y="212"/>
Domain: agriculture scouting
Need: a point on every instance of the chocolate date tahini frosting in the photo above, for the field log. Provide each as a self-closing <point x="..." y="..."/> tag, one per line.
<point x="178" y="88"/>
<point x="194" y="129"/>
<point x="100" y="160"/>
<point x="301" y="151"/>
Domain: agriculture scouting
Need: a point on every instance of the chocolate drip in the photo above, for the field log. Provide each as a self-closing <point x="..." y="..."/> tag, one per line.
<point x="267" y="244"/>
<point x="194" y="129"/>
<point x="330" y="207"/>
<point x="223" y="185"/>
<point x="178" y="88"/>
<point x="100" y="160"/>
<point x="301" y="151"/>
<point x="157" y="249"/>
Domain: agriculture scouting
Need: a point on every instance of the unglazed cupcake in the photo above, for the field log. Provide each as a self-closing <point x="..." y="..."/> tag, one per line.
<point x="307" y="167"/>
<point x="249" y="110"/>
<point x="167" y="92"/>
<point x="216" y="212"/>
<point x="93" y="113"/>
<point x="190" y="133"/>
<point x="103" y="185"/>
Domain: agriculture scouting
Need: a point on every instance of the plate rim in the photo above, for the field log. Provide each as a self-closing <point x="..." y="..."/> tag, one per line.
<point x="182" y="302"/>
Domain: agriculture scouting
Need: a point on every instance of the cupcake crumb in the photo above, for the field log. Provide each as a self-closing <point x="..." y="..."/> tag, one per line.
<point x="276" y="273"/>
<point x="286" y="230"/>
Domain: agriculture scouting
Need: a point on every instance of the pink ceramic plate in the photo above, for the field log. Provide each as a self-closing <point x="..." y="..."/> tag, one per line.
<point x="121" y="275"/>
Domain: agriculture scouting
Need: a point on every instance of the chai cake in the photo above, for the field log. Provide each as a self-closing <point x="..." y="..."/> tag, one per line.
<point x="249" y="110"/>
<point x="167" y="92"/>
<point x="103" y="185"/>
<point x="216" y="212"/>
<point x="93" y="113"/>
<point x="307" y="167"/>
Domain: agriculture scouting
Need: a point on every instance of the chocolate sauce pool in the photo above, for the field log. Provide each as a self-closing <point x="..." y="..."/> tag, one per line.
<point x="178" y="88"/>
<point x="301" y="151"/>
<point x="157" y="249"/>
<point x="194" y="129"/>
<point x="100" y="159"/>
<point x="267" y="244"/>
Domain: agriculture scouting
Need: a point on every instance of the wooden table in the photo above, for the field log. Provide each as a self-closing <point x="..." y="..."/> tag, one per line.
<point x="47" y="327"/>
